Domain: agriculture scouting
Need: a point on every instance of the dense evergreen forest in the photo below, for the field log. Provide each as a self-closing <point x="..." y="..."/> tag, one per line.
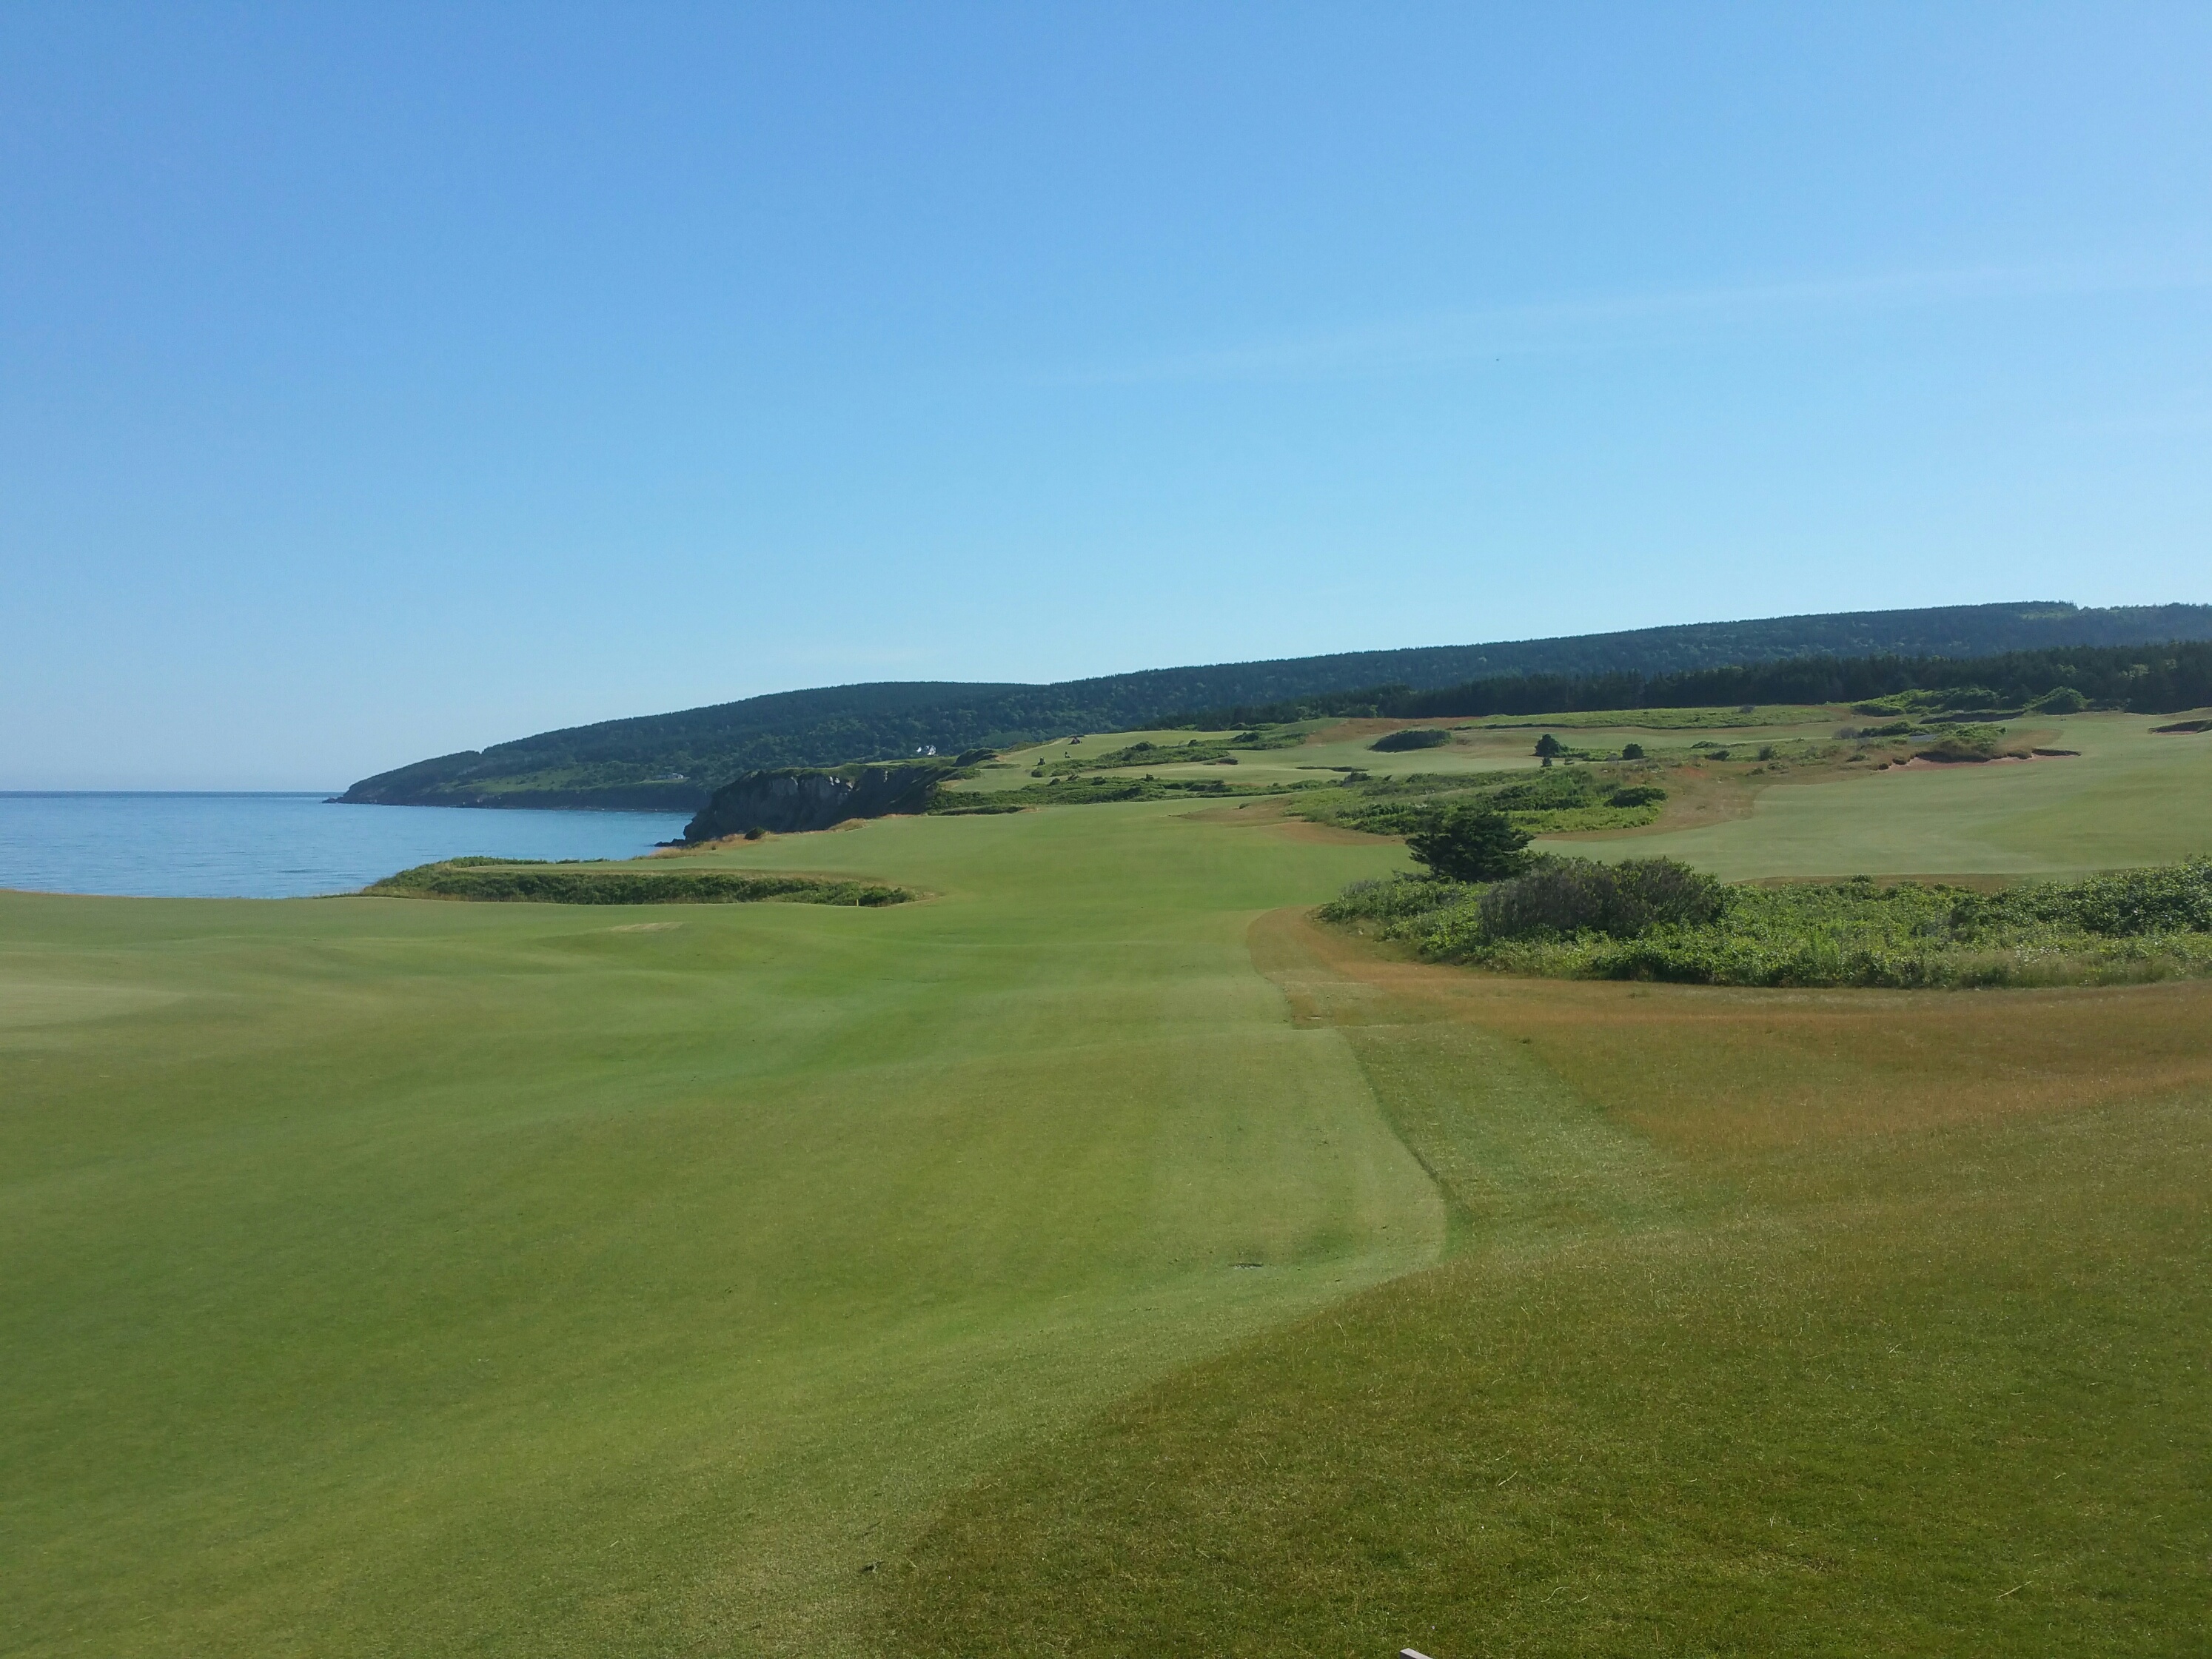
<point x="674" y="761"/>
<point x="2153" y="679"/>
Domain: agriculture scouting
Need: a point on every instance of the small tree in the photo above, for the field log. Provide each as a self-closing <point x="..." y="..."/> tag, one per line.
<point x="1631" y="751"/>
<point x="1470" y="843"/>
<point x="1547" y="745"/>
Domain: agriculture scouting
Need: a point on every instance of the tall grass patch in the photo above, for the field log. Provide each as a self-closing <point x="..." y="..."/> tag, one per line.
<point x="628" y="882"/>
<point x="1656" y="919"/>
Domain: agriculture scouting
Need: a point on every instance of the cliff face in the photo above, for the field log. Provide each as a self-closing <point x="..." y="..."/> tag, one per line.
<point x="793" y="798"/>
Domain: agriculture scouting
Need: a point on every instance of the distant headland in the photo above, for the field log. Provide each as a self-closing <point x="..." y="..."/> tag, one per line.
<point x="676" y="761"/>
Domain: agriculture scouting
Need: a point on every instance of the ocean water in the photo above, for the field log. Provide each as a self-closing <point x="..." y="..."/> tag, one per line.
<point x="277" y="846"/>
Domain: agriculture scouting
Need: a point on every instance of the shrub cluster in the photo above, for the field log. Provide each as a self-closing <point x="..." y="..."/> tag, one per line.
<point x="1542" y="803"/>
<point x="1970" y="743"/>
<point x="1084" y="789"/>
<point x="1469" y="843"/>
<point x="1413" y="737"/>
<point x="2124" y="904"/>
<point x="1566" y="896"/>
<point x="1397" y="899"/>
<point x="1561" y="921"/>
<point x="531" y="881"/>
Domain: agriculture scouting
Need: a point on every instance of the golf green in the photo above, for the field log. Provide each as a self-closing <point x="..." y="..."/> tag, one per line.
<point x="2130" y="796"/>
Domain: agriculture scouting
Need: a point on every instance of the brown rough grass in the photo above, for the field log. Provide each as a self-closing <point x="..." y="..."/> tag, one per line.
<point x="1826" y="1323"/>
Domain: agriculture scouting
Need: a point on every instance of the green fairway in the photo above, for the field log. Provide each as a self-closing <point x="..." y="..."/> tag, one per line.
<point x="1783" y="1323"/>
<point x="1476" y="748"/>
<point x="2131" y="797"/>
<point x="1336" y="747"/>
<point x="1092" y="1256"/>
<point x="390" y="1276"/>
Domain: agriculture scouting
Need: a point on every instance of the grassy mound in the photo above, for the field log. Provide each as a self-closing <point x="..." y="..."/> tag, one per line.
<point x="1073" y="789"/>
<point x="1415" y="736"/>
<point x="1558" y="801"/>
<point x="537" y="882"/>
<point x="1565" y="920"/>
<point x="1972" y="744"/>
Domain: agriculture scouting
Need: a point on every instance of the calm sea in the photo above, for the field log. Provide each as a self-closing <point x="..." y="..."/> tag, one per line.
<point x="273" y="845"/>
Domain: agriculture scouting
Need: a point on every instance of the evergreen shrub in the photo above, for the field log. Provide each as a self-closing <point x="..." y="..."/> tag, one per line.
<point x="1415" y="736"/>
<point x="1470" y="843"/>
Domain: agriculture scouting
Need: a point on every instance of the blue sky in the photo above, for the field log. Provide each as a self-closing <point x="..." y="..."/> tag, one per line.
<point x="377" y="381"/>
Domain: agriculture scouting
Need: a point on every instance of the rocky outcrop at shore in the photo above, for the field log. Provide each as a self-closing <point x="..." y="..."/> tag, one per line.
<point x="790" y="799"/>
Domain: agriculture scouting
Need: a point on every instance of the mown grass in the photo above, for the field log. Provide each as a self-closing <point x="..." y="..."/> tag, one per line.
<point x="1782" y="1323"/>
<point x="2131" y="797"/>
<point x="387" y="1277"/>
<point x="1023" y="1272"/>
<point x="1322" y="747"/>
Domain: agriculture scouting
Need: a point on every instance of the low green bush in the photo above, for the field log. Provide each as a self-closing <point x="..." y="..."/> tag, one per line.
<point x="1563" y="922"/>
<point x="2124" y="904"/>
<point x="531" y="881"/>
<point x="1565" y="896"/>
<point x="1929" y="703"/>
<point x="1294" y="738"/>
<point x="1082" y="789"/>
<point x="1582" y="820"/>
<point x="1416" y="736"/>
<point x="1969" y="743"/>
<point x="1396" y="899"/>
<point x="1563" y="801"/>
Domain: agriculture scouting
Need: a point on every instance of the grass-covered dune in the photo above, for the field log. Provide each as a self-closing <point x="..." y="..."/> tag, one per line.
<point x="639" y="881"/>
<point x="1581" y="918"/>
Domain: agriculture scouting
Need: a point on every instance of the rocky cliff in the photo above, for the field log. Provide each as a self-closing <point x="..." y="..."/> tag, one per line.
<point x="793" y="798"/>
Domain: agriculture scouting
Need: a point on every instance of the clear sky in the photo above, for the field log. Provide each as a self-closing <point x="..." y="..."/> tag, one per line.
<point x="377" y="380"/>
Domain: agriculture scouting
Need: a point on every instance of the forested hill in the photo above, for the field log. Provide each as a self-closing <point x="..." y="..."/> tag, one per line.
<point x="674" y="761"/>
<point x="2160" y="676"/>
